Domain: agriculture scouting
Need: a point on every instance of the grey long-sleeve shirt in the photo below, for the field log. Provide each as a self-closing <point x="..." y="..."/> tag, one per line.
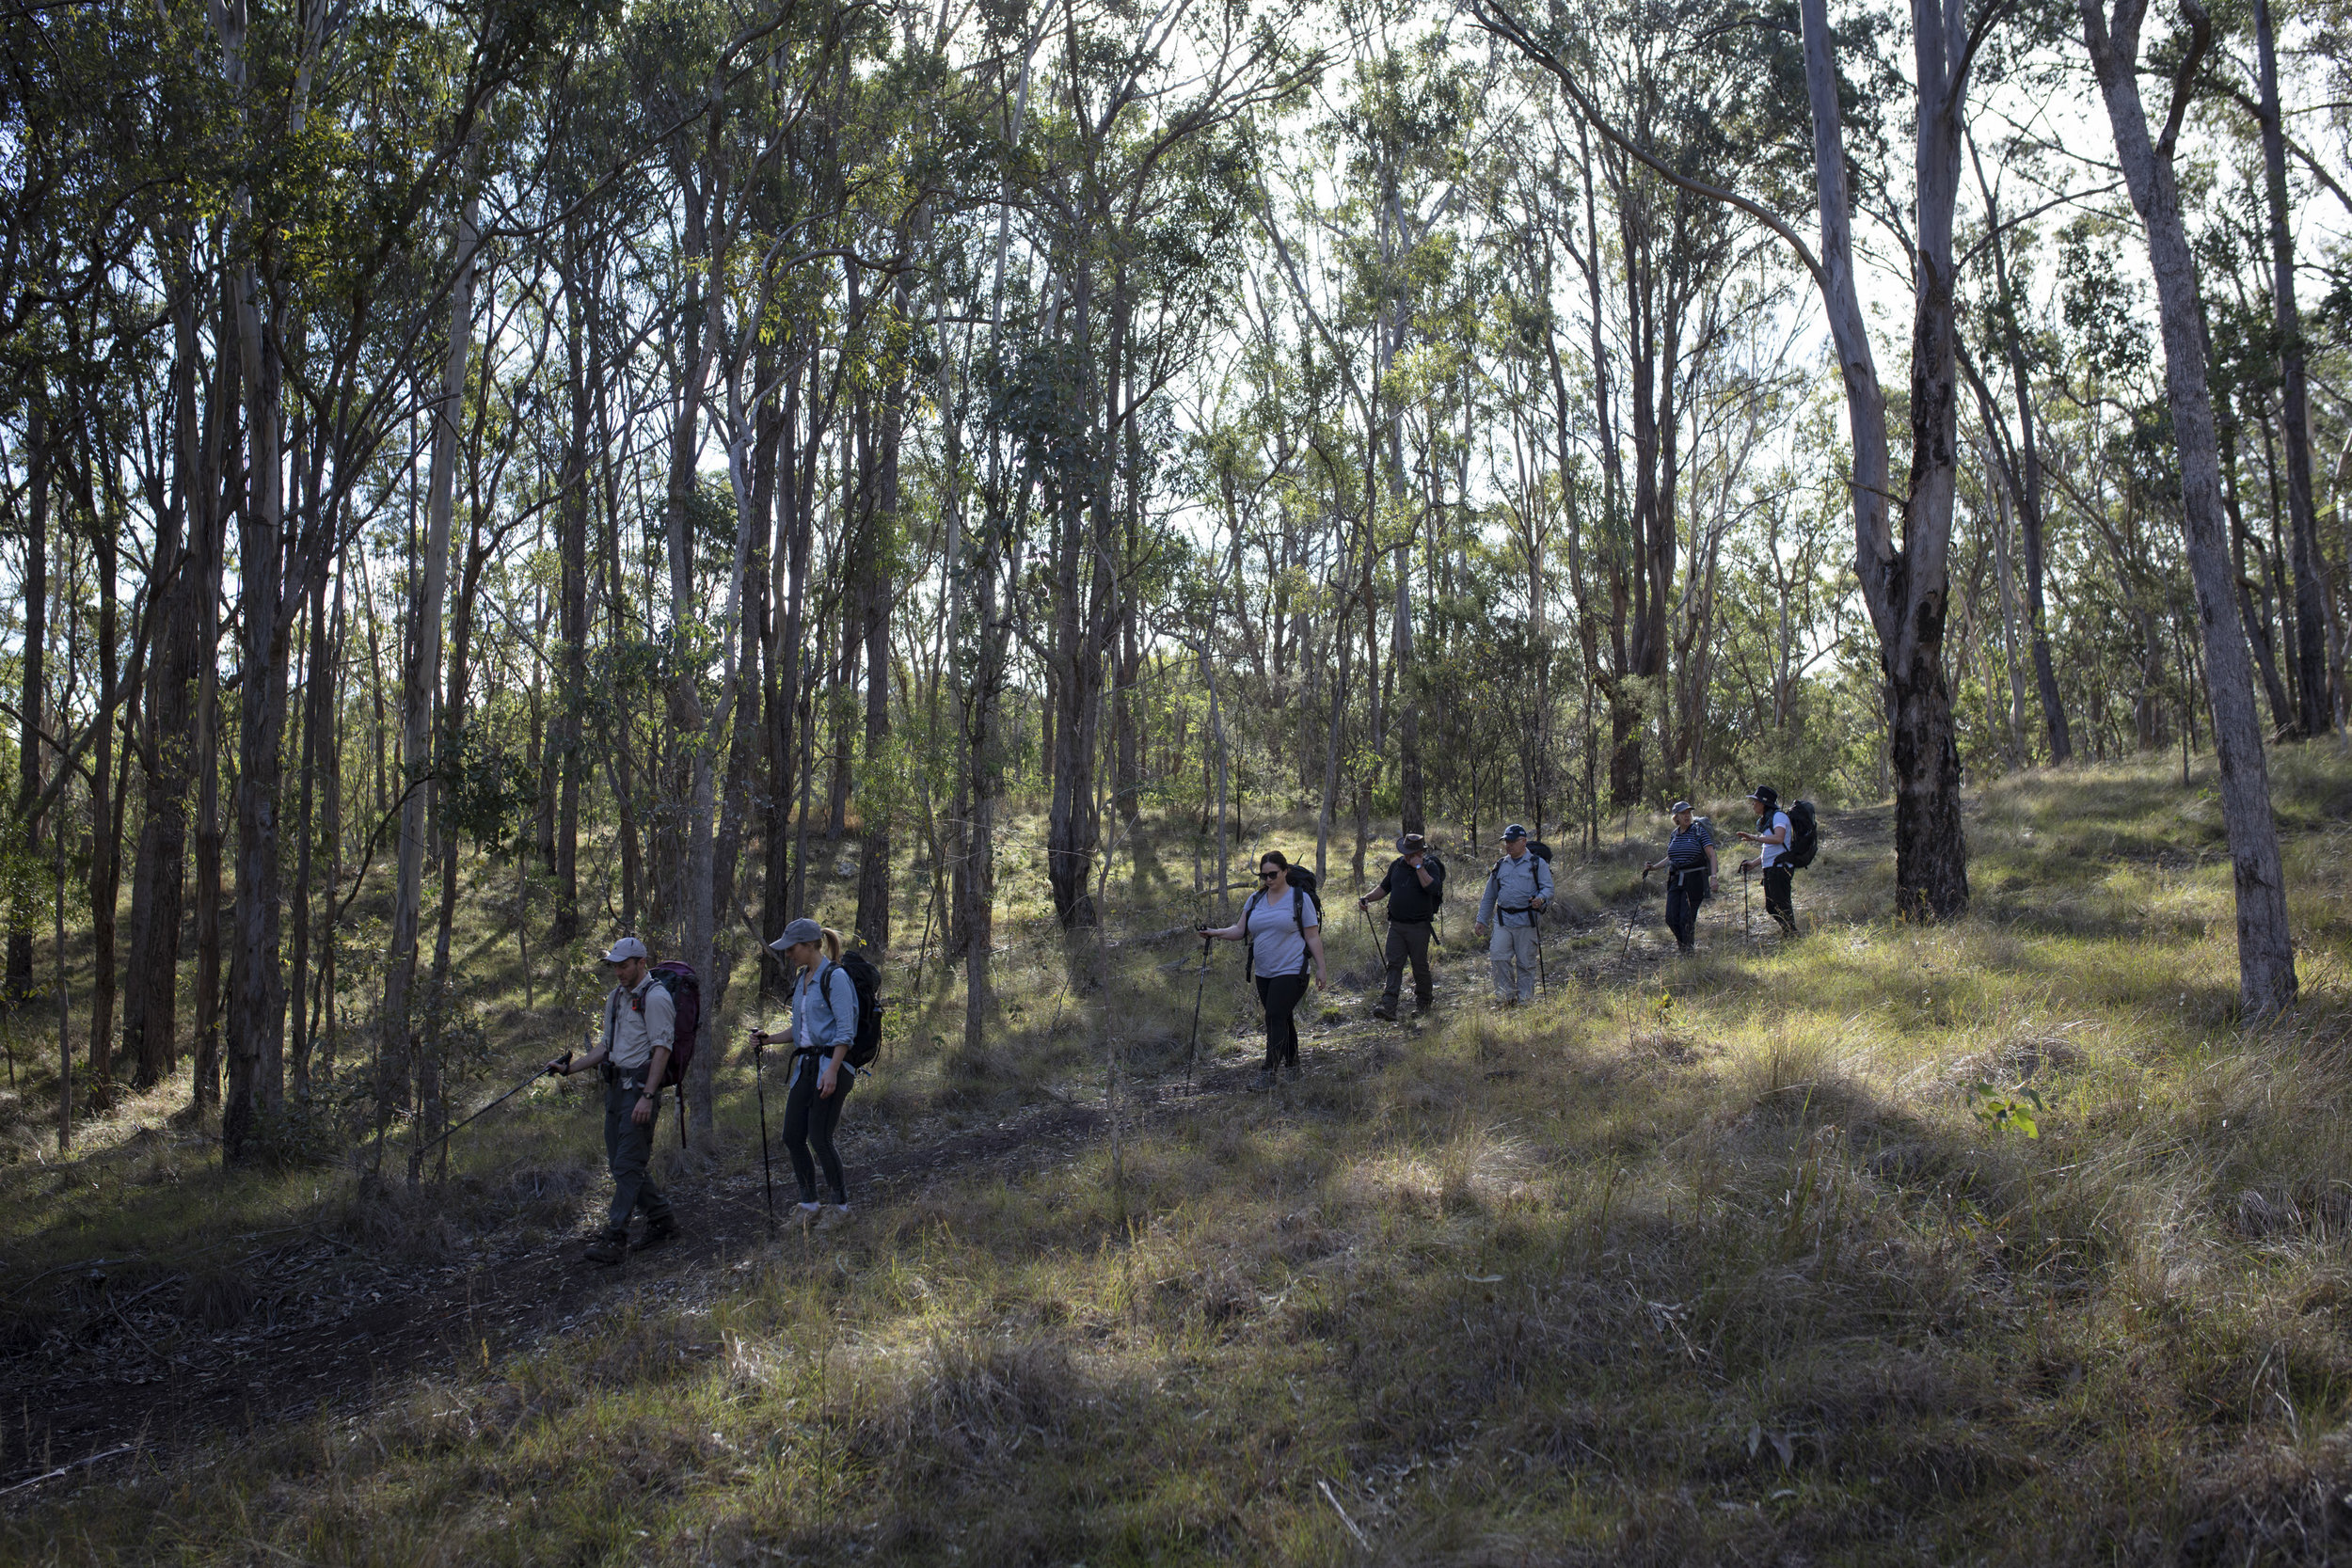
<point x="1512" y="886"/>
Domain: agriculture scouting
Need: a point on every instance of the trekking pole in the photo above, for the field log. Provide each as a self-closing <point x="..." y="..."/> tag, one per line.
<point x="1626" y="950"/>
<point x="547" y="1071"/>
<point x="1747" y="938"/>
<point x="760" y="1088"/>
<point x="1193" y="1041"/>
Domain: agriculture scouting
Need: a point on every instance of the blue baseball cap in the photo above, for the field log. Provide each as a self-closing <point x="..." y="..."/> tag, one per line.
<point x="1513" y="830"/>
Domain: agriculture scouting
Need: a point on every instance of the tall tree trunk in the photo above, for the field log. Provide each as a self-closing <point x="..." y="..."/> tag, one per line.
<point x="256" y="1013"/>
<point x="185" y="540"/>
<point x="29" y="771"/>
<point x="881" y="531"/>
<point x="786" y="736"/>
<point x="572" y="597"/>
<point x="105" y="861"/>
<point x="2266" y="982"/>
<point x="317" y="714"/>
<point x="2315" y="712"/>
<point x="697" y="348"/>
<point x="1905" y="587"/>
<point x="2026" y="492"/>
<point x="420" y="682"/>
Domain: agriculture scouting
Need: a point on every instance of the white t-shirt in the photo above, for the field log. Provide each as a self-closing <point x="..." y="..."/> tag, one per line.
<point x="1771" y="852"/>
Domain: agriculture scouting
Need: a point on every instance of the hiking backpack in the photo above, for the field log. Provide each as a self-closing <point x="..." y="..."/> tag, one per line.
<point x="1436" y="869"/>
<point x="1805" y="835"/>
<point x="864" y="979"/>
<point x="686" y="1002"/>
<point x="1304" y="880"/>
<point x="1541" y="850"/>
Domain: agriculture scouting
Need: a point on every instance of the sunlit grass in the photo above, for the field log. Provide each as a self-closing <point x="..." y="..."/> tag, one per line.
<point x="1705" y="1261"/>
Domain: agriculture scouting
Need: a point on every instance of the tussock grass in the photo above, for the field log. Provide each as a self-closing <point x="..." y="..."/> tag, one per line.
<point x="1712" y="1263"/>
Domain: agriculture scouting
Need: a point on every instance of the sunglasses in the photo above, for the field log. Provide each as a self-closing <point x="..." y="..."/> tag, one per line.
<point x="1267" y="876"/>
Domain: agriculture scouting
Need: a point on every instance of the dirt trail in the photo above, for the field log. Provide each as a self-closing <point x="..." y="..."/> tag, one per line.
<point x="329" y="1322"/>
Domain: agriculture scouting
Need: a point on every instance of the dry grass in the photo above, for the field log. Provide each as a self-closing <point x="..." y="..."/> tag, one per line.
<point x="1716" y="1264"/>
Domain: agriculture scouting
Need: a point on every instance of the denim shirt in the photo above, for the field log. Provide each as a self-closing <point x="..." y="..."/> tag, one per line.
<point x="824" y="1016"/>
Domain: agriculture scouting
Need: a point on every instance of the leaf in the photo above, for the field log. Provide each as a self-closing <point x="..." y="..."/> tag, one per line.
<point x="1756" y="1436"/>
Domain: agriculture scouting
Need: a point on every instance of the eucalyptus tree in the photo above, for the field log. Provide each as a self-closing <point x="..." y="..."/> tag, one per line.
<point x="1134" y="215"/>
<point x="1904" y="585"/>
<point x="2266" y="981"/>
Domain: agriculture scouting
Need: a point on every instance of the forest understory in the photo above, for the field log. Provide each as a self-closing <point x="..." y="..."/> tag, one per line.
<point x="1746" y="1259"/>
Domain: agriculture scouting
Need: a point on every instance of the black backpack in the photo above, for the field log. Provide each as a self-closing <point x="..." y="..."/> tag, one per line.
<point x="1541" y="850"/>
<point x="1304" y="880"/>
<point x="866" y="981"/>
<point x="1805" y="835"/>
<point x="1436" y="870"/>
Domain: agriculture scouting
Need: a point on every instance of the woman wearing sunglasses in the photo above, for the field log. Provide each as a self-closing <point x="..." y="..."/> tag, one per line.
<point x="1283" y="928"/>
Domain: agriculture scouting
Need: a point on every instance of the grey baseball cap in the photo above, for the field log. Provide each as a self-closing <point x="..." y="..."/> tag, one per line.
<point x="1679" y="808"/>
<point x="797" y="932"/>
<point x="626" y="949"/>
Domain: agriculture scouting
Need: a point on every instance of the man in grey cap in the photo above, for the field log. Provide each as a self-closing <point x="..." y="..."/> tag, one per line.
<point x="1690" y="867"/>
<point x="1517" y="890"/>
<point x="1415" y="886"/>
<point x="640" y="1026"/>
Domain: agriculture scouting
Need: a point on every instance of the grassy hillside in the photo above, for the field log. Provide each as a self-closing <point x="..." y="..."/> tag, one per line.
<point x="1748" y="1259"/>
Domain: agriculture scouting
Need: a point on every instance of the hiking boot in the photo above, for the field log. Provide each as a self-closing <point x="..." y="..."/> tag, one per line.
<point x="1421" y="1009"/>
<point x="834" y="1217"/>
<point x="1264" y="1079"/>
<point x="657" y="1232"/>
<point x="611" y="1247"/>
<point x="1385" y="1012"/>
<point x="1290" y="1070"/>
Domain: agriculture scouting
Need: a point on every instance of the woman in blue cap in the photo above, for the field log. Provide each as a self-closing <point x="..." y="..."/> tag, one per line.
<point x="824" y="1022"/>
<point x="1690" y="866"/>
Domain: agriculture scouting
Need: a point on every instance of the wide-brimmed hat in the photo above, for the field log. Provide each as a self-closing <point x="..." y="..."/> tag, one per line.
<point x="626" y="949"/>
<point x="1407" y="843"/>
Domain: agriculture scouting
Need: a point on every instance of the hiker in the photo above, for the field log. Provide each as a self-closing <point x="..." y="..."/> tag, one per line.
<point x="1415" y="886"/>
<point x="1774" y="833"/>
<point x="1283" y="928"/>
<point x="824" y="1024"/>
<point x="1690" y="866"/>
<point x="640" y="1026"/>
<point x="1517" y="890"/>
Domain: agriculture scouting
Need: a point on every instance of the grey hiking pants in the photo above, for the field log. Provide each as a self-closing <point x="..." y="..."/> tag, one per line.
<point x="628" y="1150"/>
<point x="1513" y="950"/>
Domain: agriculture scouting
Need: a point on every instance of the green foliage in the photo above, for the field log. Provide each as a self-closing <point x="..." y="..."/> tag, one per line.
<point x="2016" y="1111"/>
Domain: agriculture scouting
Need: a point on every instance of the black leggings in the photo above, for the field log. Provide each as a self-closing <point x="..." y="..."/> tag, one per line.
<point x="809" y="1115"/>
<point x="1282" y="994"/>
